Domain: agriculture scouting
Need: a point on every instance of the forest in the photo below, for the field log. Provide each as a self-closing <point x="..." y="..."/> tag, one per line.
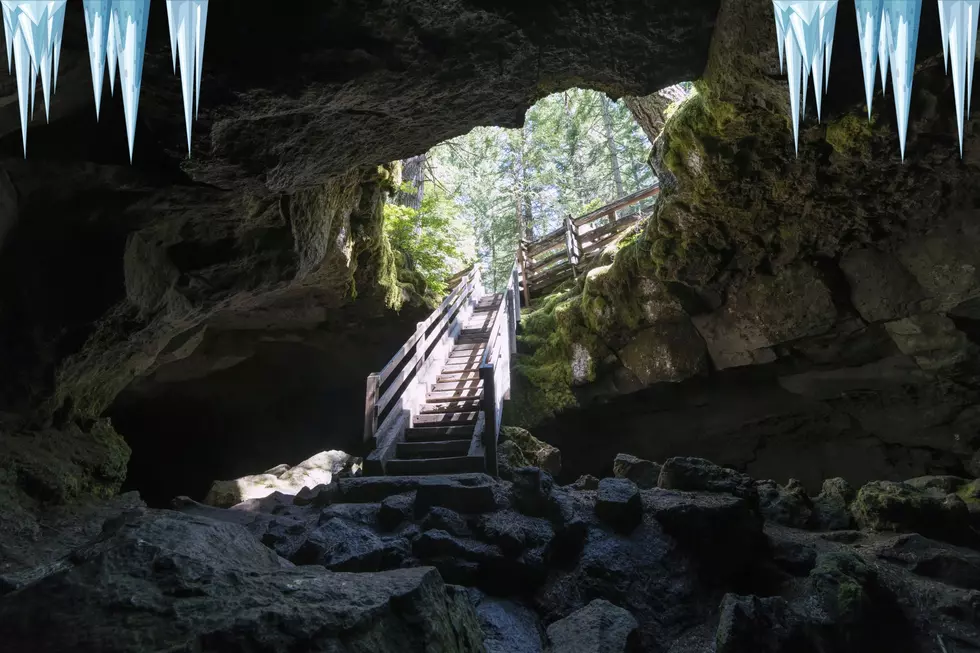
<point x="473" y="197"/>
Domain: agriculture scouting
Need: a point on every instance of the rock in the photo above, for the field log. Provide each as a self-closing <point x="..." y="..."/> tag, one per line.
<point x="933" y="341"/>
<point x="275" y="503"/>
<point x="508" y="627"/>
<point x="365" y="514"/>
<point x="698" y="474"/>
<point x="395" y="510"/>
<point x="839" y="602"/>
<point x="950" y="564"/>
<point x="571" y="531"/>
<point x="642" y="472"/>
<point x="599" y="627"/>
<point x="531" y="492"/>
<point x="890" y="506"/>
<point x="514" y="532"/>
<point x="445" y="519"/>
<point x="831" y="507"/>
<point x="533" y="452"/>
<point x="618" y="504"/>
<point x="945" y="484"/>
<point x="788" y="505"/>
<point x="670" y="350"/>
<point x="585" y="482"/>
<point x="466" y="494"/>
<point x="466" y="561"/>
<point x="318" y="470"/>
<point x="342" y="546"/>
<point x="882" y="288"/>
<point x="722" y="531"/>
<point x="765" y="311"/>
<point x="305" y="497"/>
<point x="795" y="557"/>
<point x="373" y="489"/>
<point x="191" y="583"/>
<point x="759" y="625"/>
<point x="974" y="464"/>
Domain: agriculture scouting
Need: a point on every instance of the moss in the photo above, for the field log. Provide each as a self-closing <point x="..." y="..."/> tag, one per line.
<point x="850" y="135"/>
<point x="970" y="493"/>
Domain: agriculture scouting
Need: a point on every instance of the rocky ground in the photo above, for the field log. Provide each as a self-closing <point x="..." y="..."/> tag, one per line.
<point x="682" y="557"/>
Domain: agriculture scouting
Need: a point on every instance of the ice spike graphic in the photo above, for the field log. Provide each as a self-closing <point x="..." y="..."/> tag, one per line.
<point x="869" y="36"/>
<point x="202" y="25"/>
<point x="959" y="21"/>
<point x="808" y="44"/>
<point x="110" y="53"/>
<point x="129" y="18"/>
<point x="883" y="53"/>
<point x="781" y="29"/>
<point x="97" y="29"/>
<point x="187" y="35"/>
<point x="902" y="19"/>
<point x="8" y="36"/>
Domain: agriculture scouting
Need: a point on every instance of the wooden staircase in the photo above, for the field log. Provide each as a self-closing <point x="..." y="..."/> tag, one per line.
<point x="444" y="437"/>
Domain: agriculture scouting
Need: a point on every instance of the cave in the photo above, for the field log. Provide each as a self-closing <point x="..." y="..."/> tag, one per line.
<point x="751" y="425"/>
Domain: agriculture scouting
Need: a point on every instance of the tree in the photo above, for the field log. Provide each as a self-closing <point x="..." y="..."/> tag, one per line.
<point x="576" y="151"/>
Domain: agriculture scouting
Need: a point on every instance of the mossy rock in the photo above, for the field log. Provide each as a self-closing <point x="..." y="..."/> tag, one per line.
<point x="890" y="506"/>
<point x="521" y="449"/>
<point x="840" y="581"/>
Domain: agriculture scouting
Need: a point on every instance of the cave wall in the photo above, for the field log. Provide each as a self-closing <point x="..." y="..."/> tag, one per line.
<point x="810" y="315"/>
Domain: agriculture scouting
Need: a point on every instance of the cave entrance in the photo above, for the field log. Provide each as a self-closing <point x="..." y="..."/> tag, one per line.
<point x="246" y="399"/>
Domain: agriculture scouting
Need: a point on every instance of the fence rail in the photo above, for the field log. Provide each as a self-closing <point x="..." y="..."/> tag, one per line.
<point x="557" y="256"/>
<point x="393" y="393"/>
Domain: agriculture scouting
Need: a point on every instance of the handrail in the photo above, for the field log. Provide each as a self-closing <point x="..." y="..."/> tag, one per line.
<point x="557" y="255"/>
<point x="402" y="369"/>
<point x="495" y="389"/>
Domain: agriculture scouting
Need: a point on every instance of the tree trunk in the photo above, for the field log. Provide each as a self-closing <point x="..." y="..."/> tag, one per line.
<point x="413" y="172"/>
<point x="571" y="140"/>
<point x="611" y="144"/>
<point x="649" y="112"/>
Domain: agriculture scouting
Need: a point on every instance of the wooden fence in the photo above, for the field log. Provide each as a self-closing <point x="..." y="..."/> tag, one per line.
<point x="559" y="255"/>
<point x="395" y="393"/>
<point x="495" y="367"/>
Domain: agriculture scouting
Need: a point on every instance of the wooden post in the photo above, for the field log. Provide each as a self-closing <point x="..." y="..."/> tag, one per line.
<point x="490" y="423"/>
<point x="570" y="245"/>
<point x="511" y="318"/>
<point x="371" y="407"/>
<point x="522" y="258"/>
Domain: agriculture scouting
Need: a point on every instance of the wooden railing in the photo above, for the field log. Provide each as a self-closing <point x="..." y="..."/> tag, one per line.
<point x="495" y="366"/>
<point x="395" y="393"/>
<point x="557" y="256"/>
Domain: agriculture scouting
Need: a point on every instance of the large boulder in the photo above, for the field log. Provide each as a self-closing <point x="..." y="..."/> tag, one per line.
<point x="953" y="565"/>
<point x="787" y="504"/>
<point x="723" y="532"/>
<point x="831" y="507"/>
<point x="891" y="506"/>
<point x="342" y="546"/>
<point x="189" y="583"/>
<point x="644" y="473"/>
<point x="508" y="627"/>
<point x="321" y="469"/>
<point x="700" y="475"/>
<point x="618" y="504"/>
<point x="599" y="627"/>
<point x="759" y="625"/>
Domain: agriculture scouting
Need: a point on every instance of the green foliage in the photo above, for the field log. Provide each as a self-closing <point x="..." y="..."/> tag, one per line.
<point x="431" y="241"/>
<point x="522" y="183"/>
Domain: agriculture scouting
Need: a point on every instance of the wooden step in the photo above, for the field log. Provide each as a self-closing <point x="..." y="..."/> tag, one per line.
<point x="456" y="377"/>
<point x="435" y="433"/>
<point x="433" y="449"/>
<point x="453" y="395"/>
<point x="457" y="368"/>
<point x="468" y="346"/>
<point x="457" y="386"/>
<point x="445" y="419"/>
<point x="421" y="466"/>
<point x="463" y="406"/>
